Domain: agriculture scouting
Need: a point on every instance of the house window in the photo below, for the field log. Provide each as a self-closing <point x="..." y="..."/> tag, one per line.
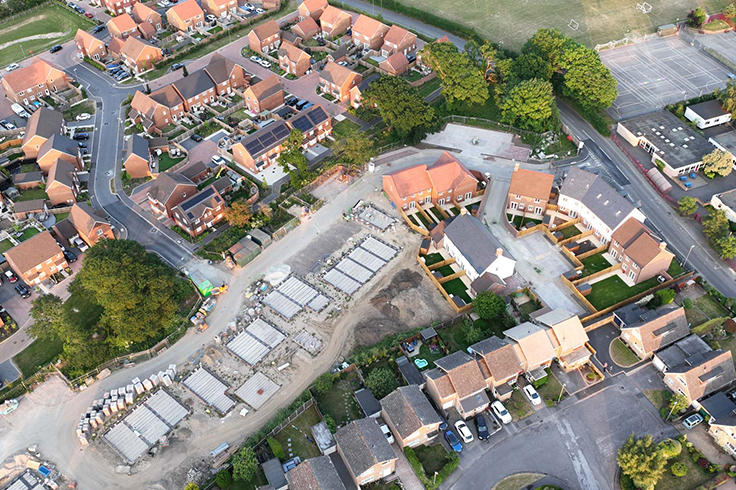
<point x="538" y="210"/>
<point x="521" y="207"/>
<point x="613" y="254"/>
<point x="514" y="205"/>
<point x="468" y="195"/>
<point x="634" y="265"/>
<point x="518" y="196"/>
<point x="632" y="274"/>
<point x="536" y="200"/>
<point x="623" y="267"/>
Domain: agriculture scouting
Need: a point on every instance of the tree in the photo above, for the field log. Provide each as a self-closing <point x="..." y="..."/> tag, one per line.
<point x="729" y="12"/>
<point x="548" y="44"/>
<point x="677" y="404"/>
<point x="485" y="56"/>
<point x="717" y="162"/>
<point x="400" y="106"/>
<point x="687" y="303"/>
<point x="642" y="461"/>
<point x="238" y="214"/>
<point x="678" y="469"/>
<point x="696" y="17"/>
<point x="323" y="383"/>
<point x="331" y="424"/>
<point x="530" y="65"/>
<point x="474" y="334"/>
<point x="355" y="149"/>
<point x="590" y="82"/>
<point x="276" y="448"/>
<point x="716" y="225"/>
<point x="245" y="464"/>
<point x="727" y="97"/>
<point x="727" y="247"/>
<point x="47" y="314"/>
<point x="489" y="305"/>
<point x="191" y="486"/>
<point x="462" y="79"/>
<point x="530" y="105"/>
<point x="381" y="382"/>
<point x="665" y="296"/>
<point x="687" y="205"/>
<point x="184" y="71"/>
<point x="224" y="479"/>
<point x="293" y="161"/>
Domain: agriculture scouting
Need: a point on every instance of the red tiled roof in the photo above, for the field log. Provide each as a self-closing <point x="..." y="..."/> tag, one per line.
<point x="529" y="183"/>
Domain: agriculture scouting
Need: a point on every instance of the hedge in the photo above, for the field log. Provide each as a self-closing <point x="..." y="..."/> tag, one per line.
<point x="94" y="63"/>
<point x="431" y="483"/>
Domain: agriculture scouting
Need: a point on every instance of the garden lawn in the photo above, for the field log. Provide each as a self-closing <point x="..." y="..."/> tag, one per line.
<point x="300" y="445"/>
<point x="31" y="194"/>
<point x="431" y="259"/>
<point x="87" y="106"/>
<point x="28" y="233"/>
<point x="569" y="232"/>
<point x="454" y="336"/>
<point x="339" y="403"/>
<point x="61" y="216"/>
<point x="613" y="290"/>
<point x="445" y="270"/>
<point x="551" y="390"/>
<point x="730" y="344"/>
<point x="165" y="162"/>
<point x="39" y="353"/>
<point x="424" y="220"/>
<point x="694" y="477"/>
<point x="675" y="269"/>
<point x="519" y="221"/>
<point x="708" y="305"/>
<point x="622" y="355"/>
<point x="658" y="398"/>
<point x="457" y="287"/>
<point x="594" y="263"/>
<point x="426" y="354"/>
<point x="342" y="128"/>
<point x="5" y="245"/>
<point x="528" y="308"/>
<point x="695" y="317"/>
<point x="518" y="406"/>
<point x="715" y="25"/>
<point x="433" y="458"/>
<point x="429" y="87"/>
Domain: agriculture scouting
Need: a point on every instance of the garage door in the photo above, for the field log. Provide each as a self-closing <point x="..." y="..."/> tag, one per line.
<point x="656" y="361"/>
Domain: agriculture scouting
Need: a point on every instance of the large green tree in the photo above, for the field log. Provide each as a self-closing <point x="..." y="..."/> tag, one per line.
<point x="588" y="80"/>
<point x="548" y="44"/>
<point x="245" y="464"/>
<point x="727" y="96"/>
<point x="642" y="461"/>
<point x="293" y="161"/>
<point x="687" y="205"/>
<point x="381" y="382"/>
<point x="489" y="305"/>
<point x="726" y="247"/>
<point x="527" y="66"/>
<point x="717" y="162"/>
<point x="355" y="149"/>
<point x="716" y="225"/>
<point x="462" y="79"/>
<point x="400" y="106"/>
<point x="530" y="105"/>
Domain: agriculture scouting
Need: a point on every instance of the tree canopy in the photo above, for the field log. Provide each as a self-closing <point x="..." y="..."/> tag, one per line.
<point x="687" y="205"/>
<point x="530" y="105"/>
<point x="727" y="96"/>
<point x="642" y="461"/>
<point x="717" y="162"/>
<point x="400" y="106"/>
<point x="381" y="382"/>
<point x="238" y="214"/>
<point x="293" y="161"/>
<point x="716" y="225"/>
<point x="489" y="305"/>
<point x="245" y="464"/>
<point x="462" y="78"/>
<point x="355" y="149"/>
<point x="696" y="17"/>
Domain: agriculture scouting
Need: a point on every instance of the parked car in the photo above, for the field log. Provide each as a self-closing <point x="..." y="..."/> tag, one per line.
<point x="255" y="59"/>
<point x="453" y="441"/>
<point x="292" y="102"/>
<point x="70" y="256"/>
<point x="83" y="116"/>
<point x="265" y="64"/>
<point x="99" y="28"/>
<point x="210" y="18"/>
<point x="177" y="66"/>
<point x="80" y="136"/>
<point x="260" y="10"/>
<point x="82" y="145"/>
<point x="12" y="66"/>
<point x="89" y="15"/>
<point x="249" y="6"/>
<point x="23" y="291"/>
<point x="79" y="9"/>
<point x="300" y="105"/>
<point x="731" y="76"/>
<point x="464" y="431"/>
<point x="7" y="125"/>
<point x="501" y="412"/>
<point x="123" y="76"/>
<point x="387" y="433"/>
<point x="55" y="49"/>
<point x="692" y="420"/>
<point x="218" y="160"/>
<point x="113" y="66"/>
<point x="11" y="277"/>
<point x="481" y="427"/>
<point x="532" y="394"/>
<point x="196" y="137"/>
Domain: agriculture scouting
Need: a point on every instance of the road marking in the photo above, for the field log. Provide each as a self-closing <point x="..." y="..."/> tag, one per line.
<point x="580" y="464"/>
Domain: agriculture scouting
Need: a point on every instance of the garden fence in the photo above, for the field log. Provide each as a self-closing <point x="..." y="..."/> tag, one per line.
<point x="287" y="422"/>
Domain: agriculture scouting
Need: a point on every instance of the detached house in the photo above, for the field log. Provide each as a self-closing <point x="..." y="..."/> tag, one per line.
<point x="693" y="369"/>
<point x="315" y="474"/>
<point x="306" y="29"/>
<point x="195" y="90"/>
<point x="186" y="16"/>
<point x="42" y="125"/>
<point x="122" y="26"/>
<point x="89" y="225"/>
<point x="90" y="46"/>
<point x="220" y="8"/>
<point x="140" y="56"/>
<point x="529" y="192"/>
<point x="262" y="148"/>
<point x="293" y="60"/>
<point x="410" y="416"/>
<point x="707" y="114"/>
<point x="167" y="191"/>
<point x="396" y="64"/>
<point x="156" y="110"/>
<point x="63" y="184"/>
<point x="36" y="259"/>
<point x="457" y="382"/>
<point x="36" y="80"/>
<point x="265" y="38"/>
<point x="143" y="13"/>
<point x="642" y="255"/>
<point x="200" y="212"/>
<point x="265" y="95"/>
<point x="368" y="32"/>
<point x="338" y="80"/>
<point x="117" y="7"/>
<point x="398" y="40"/>
<point x="568" y="338"/>
<point x="334" y="22"/>
<point x="58" y="147"/>
<point x="365" y="451"/>
<point x="647" y="331"/>
<point x="227" y="75"/>
<point x="500" y="365"/>
<point x="137" y="157"/>
<point x="312" y="9"/>
<point x="722" y="421"/>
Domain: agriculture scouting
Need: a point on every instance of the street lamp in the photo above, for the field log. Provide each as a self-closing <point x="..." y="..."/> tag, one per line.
<point x="688" y="255"/>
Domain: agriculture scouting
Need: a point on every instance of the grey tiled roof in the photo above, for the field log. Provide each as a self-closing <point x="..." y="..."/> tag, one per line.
<point x="363" y="445"/>
<point x="138" y="145"/>
<point x="597" y="195"/>
<point x="474" y="241"/>
<point x="196" y="83"/>
<point x="409" y="410"/>
<point x="315" y="474"/>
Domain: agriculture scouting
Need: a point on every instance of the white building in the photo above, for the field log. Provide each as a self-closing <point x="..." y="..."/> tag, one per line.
<point x="726" y="202"/>
<point x="707" y="114"/>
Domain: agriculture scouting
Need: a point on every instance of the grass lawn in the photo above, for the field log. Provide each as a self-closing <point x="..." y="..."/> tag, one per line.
<point x="5" y="245"/>
<point x="413" y="76"/>
<point x="431" y="259"/>
<point x="300" y="445"/>
<point x="28" y="233"/>
<point x="695" y="317"/>
<point x="488" y="110"/>
<point x="258" y="481"/>
<point x="520" y="221"/>
<point x="550" y="392"/>
<point x="38" y="354"/>
<point x="165" y="162"/>
<point x="207" y="182"/>
<point x="424" y="220"/>
<point x="694" y="477"/>
<point x="87" y="106"/>
<point x="429" y="87"/>
<point x="454" y="336"/>
<point x="339" y="403"/>
<point x="58" y="23"/>
<point x="518" y="406"/>
<point x="445" y="270"/>
<point x="518" y="481"/>
<point x="594" y="263"/>
<point x="433" y="458"/>
<point x="658" y="398"/>
<point x="569" y="232"/>
<point x="715" y="25"/>
<point x="708" y="305"/>
<point x="528" y="308"/>
<point x="622" y="355"/>
<point x="31" y="194"/>
<point x="457" y="287"/>
<point x="342" y="128"/>
<point x="61" y="216"/>
<point x="413" y="220"/>
<point x="675" y="269"/>
<point x="613" y="290"/>
<point x="729" y="344"/>
<point x="28" y="167"/>
<point x="426" y="354"/>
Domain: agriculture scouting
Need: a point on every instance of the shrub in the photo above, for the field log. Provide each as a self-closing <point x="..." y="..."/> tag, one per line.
<point x="679" y="469"/>
<point x="687" y="303"/>
<point x="430" y="483"/>
<point x="703" y="463"/>
<point x="224" y="479"/>
<point x="626" y="483"/>
<point x="670" y="448"/>
<point x="276" y="448"/>
<point x="323" y="383"/>
<point x="331" y="424"/>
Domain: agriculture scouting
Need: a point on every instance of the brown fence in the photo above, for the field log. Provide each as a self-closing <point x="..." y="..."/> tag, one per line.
<point x="422" y="81"/>
<point x="596" y="274"/>
<point x="418" y="229"/>
<point x="578" y="294"/>
<point x="11" y="144"/>
<point x="598" y="323"/>
<point x="457" y="309"/>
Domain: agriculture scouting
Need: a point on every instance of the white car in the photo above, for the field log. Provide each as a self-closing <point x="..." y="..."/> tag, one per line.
<point x="501" y="412"/>
<point x="84" y="116"/>
<point x="260" y="10"/>
<point x="464" y="431"/>
<point x="218" y="160"/>
<point x="165" y="3"/>
<point x="265" y="64"/>
<point x="532" y="394"/>
<point x="12" y="66"/>
<point x="211" y="18"/>
<point x="387" y="433"/>
<point x="255" y="59"/>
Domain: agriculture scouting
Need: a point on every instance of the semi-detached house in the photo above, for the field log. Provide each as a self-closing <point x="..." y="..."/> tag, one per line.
<point x="500" y="365"/>
<point x="398" y="40"/>
<point x="118" y="7"/>
<point x="334" y="22"/>
<point x="37" y="80"/>
<point x="368" y="32"/>
<point x="315" y="474"/>
<point x="196" y="90"/>
<point x="123" y="26"/>
<point x="457" y="382"/>
<point x="227" y="75"/>
<point x="338" y="80"/>
<point x="42" y="125"/>
<point x="220" y="8"/>
<point x="262" y="148"/>
<point x="200" y="212"/>
<point x="529" y="193"/>
<point x="646" y="331"/>
<point x="186" y="16"/>
<point x="137" y="161"/>
<point x="89" y="46"/>
<point x="167" y="191"/>
<point x="642" y="256"/>
<point x="158" y="109"/>
<point x="412" y="419"/>
<point x="367" y="454"/>
<point x="265" y="95"/>
<point x="265" y="38"/>
<point x="293" y="60"/>
<point x="312" y="9"/>
<point x="36" y="259"/>
<point x="143" y="13"/>
<point x="58" y="147"/>
<point x="62" y="186"/>
<point x="139" y="55"/>
<point x="722" y="420"/>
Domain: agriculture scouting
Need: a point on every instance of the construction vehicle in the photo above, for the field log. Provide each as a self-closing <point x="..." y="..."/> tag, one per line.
<point x="207" y="306"/>
<point x="218" y="291"/>
<point x="199" y="321"/>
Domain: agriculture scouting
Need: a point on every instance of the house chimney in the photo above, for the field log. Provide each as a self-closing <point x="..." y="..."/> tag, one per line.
<point x="516" y="166"/>
<point x="663" y="246"/>
<point x="463" y="211"/>
<point x="499" y="252"/>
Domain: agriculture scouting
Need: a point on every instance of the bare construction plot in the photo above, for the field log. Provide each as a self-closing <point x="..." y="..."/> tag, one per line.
<point x="374" y="217"/>
<point x="255" y="342"/>
<point x="210" y="389"/>
<point x="257" y="390"/>
<point x="360" y="265"/>
<point x="292" y="295"/>
<point x="145" y="425"/>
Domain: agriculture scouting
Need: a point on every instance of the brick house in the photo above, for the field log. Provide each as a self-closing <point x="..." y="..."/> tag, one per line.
<point x="334" y="22"/>
<point x="156" y="110"/>
<point x="306" y="29"/>
<point x="58" y="147"/>
<point x="265" y="38"/>
<point x="90" y="226"/>
<point x="533" y="346"/>
<point x="220" y="8"/>
<point x="262" y="148"/>
<point x="62" y="186"/>
<point x="167" y="191"/>
<point x="137" y="162"/>
<point x="90" y="46"/>
<point x="398" y="40"/>
<point x="722" y="420"/>
<point x="529" y="193"/>
<point x="646" y="331"/>
<point x="200" y="212"/>
<point x="499" y="364"/>
<point x="36" y="80"/>
<point x="186" y="16"/>
<point x="314" y="123"/>
<point x="368" y="32"/>
<point x="293" y="60"/>
<point x="568" y="338"/>
<point x="28" y="180"/>
<point x="118" y="7"/>
<point x="365" y="451"/>
<point x="642" y="256"/>
<point x="312" y="9"/>
<point x="36" y="259"/>
<point x="140" y="56"/>
<point x="196" y="90"/>
<point x="143" y="13"/>
<point x="315" y="474"/>
<point x="265" y="95"/>
<point x="396" y="64"/>
<point x="42" y="125"/>
<point x="227" y="75"/>
<point x="457" y="381"/>
<point x="338" y="80"/>
<point x="122" y="26"/>
<point x="147" y="30"/>
<point x="410" y="416"/>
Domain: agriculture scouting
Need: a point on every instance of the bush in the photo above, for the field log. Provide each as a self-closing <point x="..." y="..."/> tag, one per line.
<point x="451" y="462"/>
<point x="276" y="448"/>
<point x="323" y="383"/>
<point x="670" y="448"/>
<point x="626" y="483"/>
<point x="687" y="303"/>
<point x="331" y="424"/>
<point x="679" y="469"/>
<point x="224" y="479"/>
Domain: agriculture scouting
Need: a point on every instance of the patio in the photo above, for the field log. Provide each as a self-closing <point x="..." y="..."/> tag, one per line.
<point x="575" y="380"/>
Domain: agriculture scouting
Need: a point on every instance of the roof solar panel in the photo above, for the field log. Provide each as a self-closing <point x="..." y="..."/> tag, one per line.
<point x="302" y="124"/>
<point x="197" y="198"/>
<point x="268" y="139"/>
<point x="318" y="115"/>
<point x="281" y="131"/>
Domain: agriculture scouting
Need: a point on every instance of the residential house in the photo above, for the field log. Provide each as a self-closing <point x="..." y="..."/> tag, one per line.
<point x="262" y="148"/>
<point x="647" y="331"/>
<point x="529" y="193"/>
<point x="334" y="22"/>
<point x="726" y="202"/>
<point x="398" y="40"/>
<point x="265" y="95"/>
<point x="158" y="109"/>
<point x="143" y="13"/>
<point x="444" y="182"/>
<point x="139" y="55"/>
<point x="265" y="38"/>
<point x="600" y="207"/>
<point x="37" y="80"/>
<point x="568" y="337"/>
<point x="28" y="180"/>
<point x="115" y="46"/>
<point x="642" y="255"/>
<point x="315" y="474"/>
<point x="90" y="225"/>
<point x="90" y="46"/>
<point x="707" y="114"/>
<point x="412" y="419"/>
<point x="457" y="381"/>
<point x="356" y="93"/>
<point x="137" y="162"/>
<point x="500" y="365"/>
<point x="533" y="347"/>
<point x="186" y="16"/>
<point x="167" y="191"/>
<point x="722" y="420"/>
<point x="693" y="369"/>
<point x="365" y="451"/>
<point x="63" y="184"/>
<point x="200" y="212"/>
<point x="337" y="81"/>
<point x="147" y="31"/>
<point x="312" y="9"/>
<point x="368" y="32"/>
<point x="36" y="259"/>
<point x="118" y="7"/>
<point x="58" y="147"/>
<point x="293" y="60"/>
<point x="340" y="54"/>
<point x="122" y="26"/>
<point x="42" y="125"/>
<point x="396" y="64"/>
<point x="197" y="172"/>
<point x="314" y="123"/>
<point x="227" y="75"/>
<point x="196" y="90"/>
<point x="220" y="8"/>
<point x="306" y="29"/>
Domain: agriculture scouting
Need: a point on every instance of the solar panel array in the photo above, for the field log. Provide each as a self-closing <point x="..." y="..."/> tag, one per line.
<point x="306" y="121"/>
<point x="360" y="265"/>
<point x="255" y="342"/>
<point x="210" y="389"/>
<point x="257" y="390"/>
<point x="292" y="295"/>
<point x="145" y="425"/>
<point x="266" y="138"/>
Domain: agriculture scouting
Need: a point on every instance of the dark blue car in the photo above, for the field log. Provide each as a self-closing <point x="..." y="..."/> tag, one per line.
<point x="453" y="441"/>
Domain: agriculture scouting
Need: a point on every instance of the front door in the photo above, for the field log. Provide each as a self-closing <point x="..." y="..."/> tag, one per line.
<point x="441" y="201"/>
<point x="412" y="205"/>
<point x="427" y="200"/>
<point x="468" y="195"/>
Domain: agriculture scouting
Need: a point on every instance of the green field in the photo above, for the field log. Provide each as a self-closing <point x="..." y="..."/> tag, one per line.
<point x="52" y="18"/>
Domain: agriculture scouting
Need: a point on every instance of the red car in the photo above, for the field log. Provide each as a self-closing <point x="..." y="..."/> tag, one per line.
<point x="88" y="15"/>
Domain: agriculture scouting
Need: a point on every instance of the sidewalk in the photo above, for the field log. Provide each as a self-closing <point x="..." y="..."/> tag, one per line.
<point x="405" y="472"/>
